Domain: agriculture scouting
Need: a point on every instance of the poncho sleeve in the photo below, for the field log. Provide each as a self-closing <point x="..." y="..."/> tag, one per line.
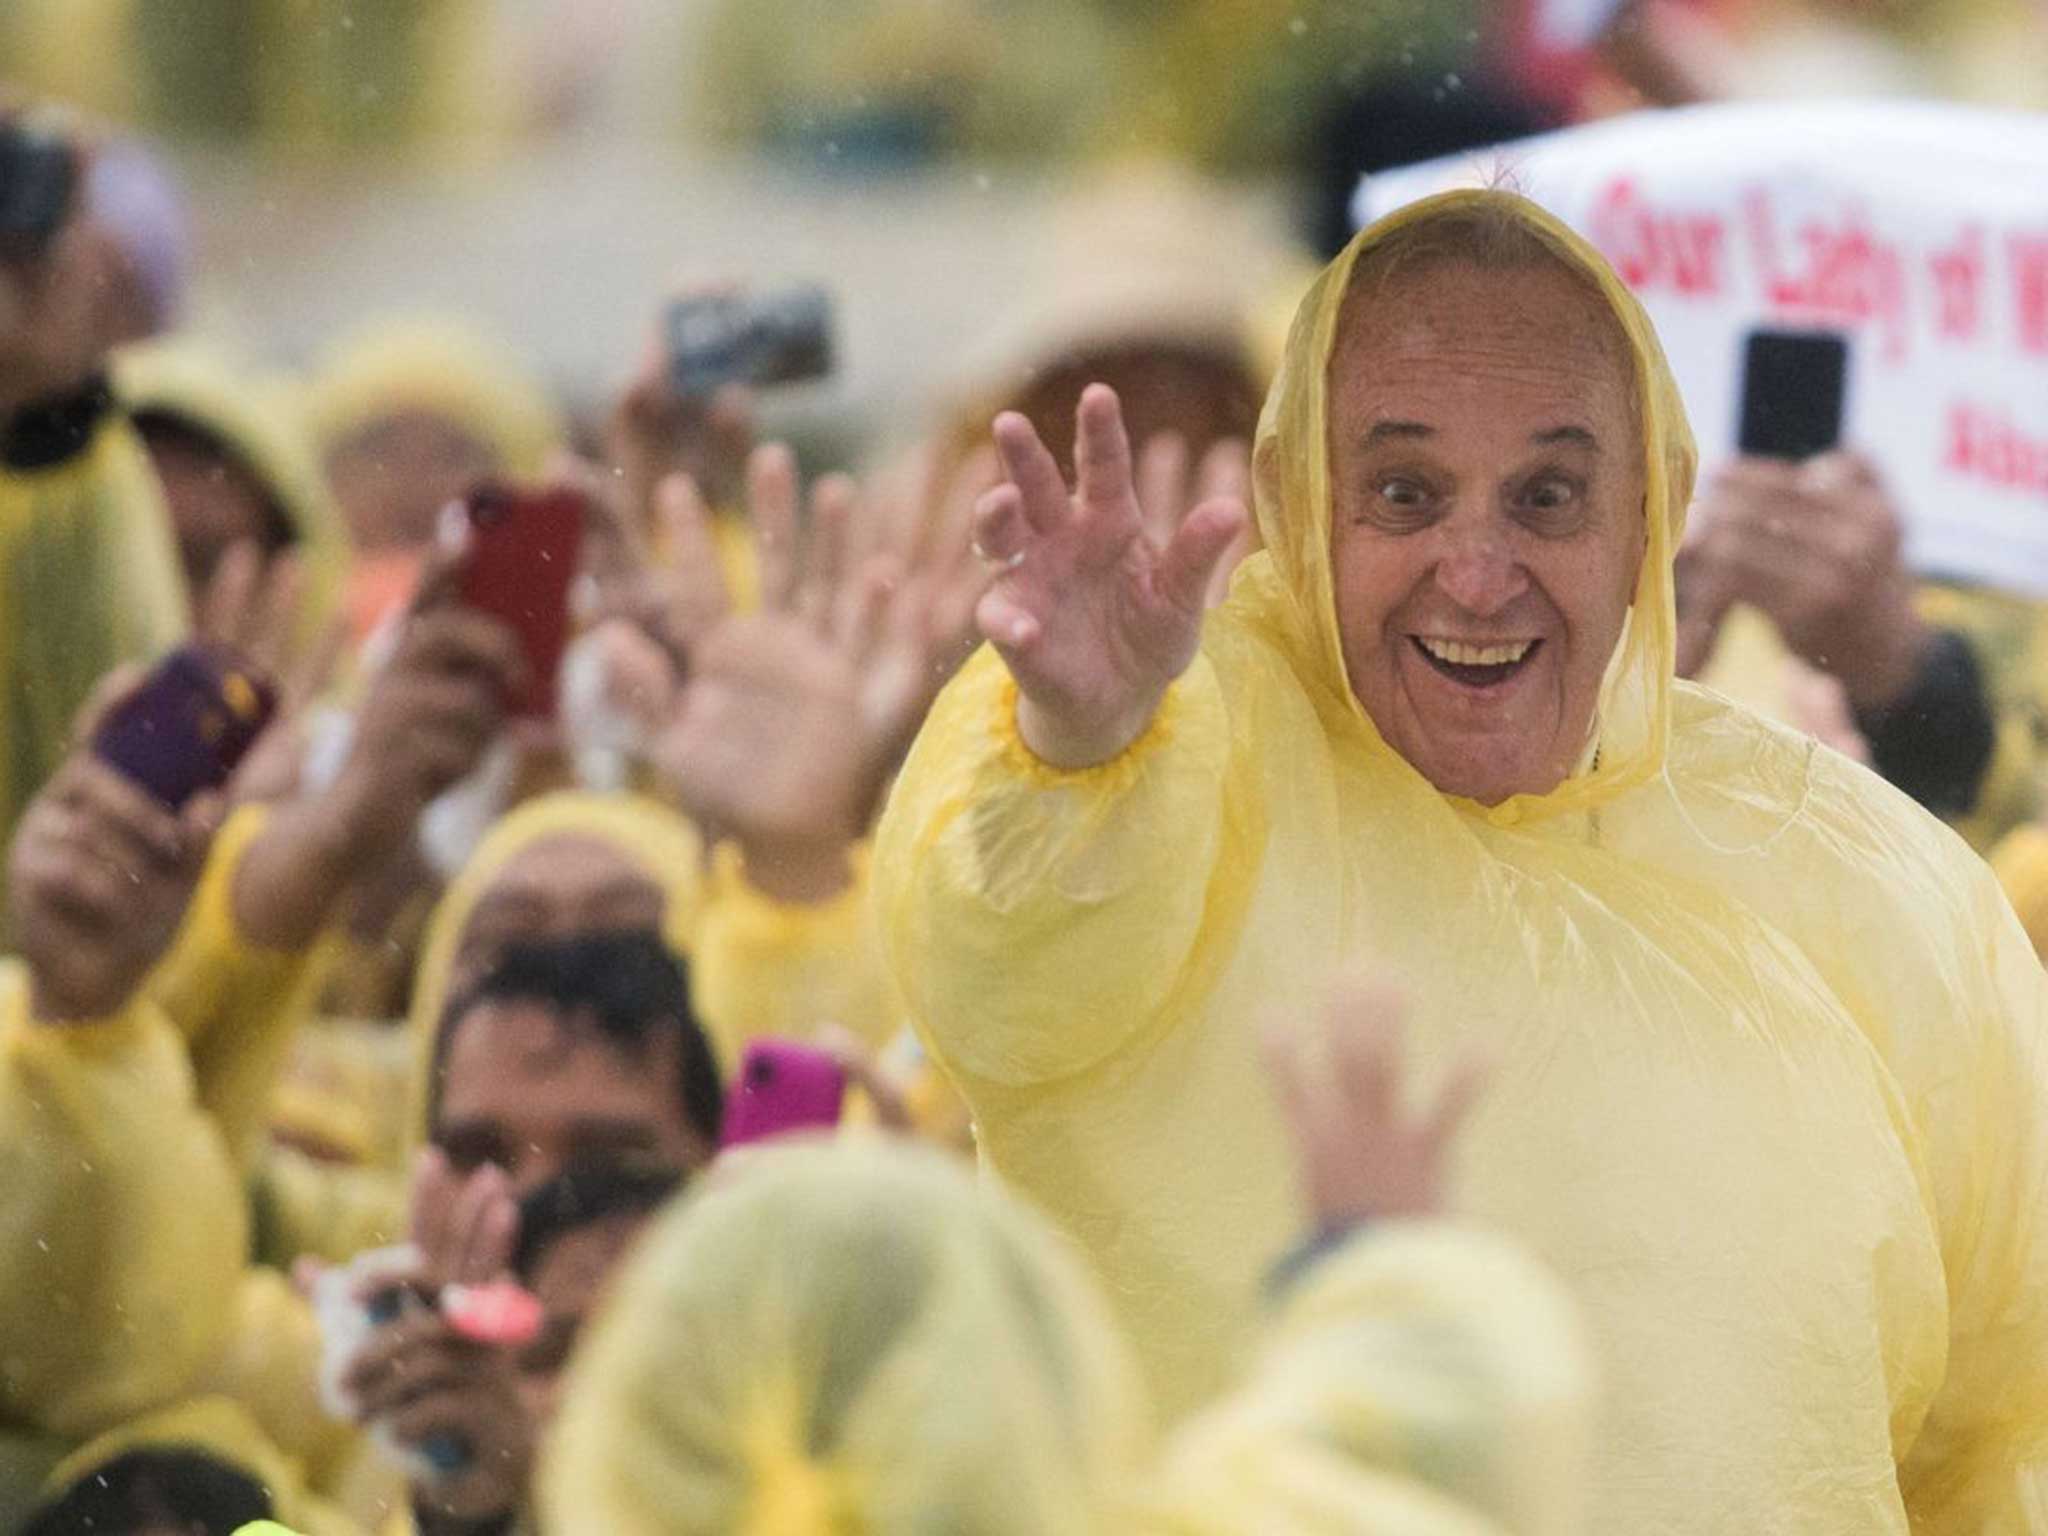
<point x="1981" y="1090"/>
<point x="123" y="1224"/>
<point x="1425" y="1378"/>
<point x="237" y="1004"/>
<point x="1037" y="920"/>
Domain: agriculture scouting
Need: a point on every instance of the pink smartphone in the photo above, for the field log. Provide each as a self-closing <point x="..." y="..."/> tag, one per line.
<point x="188" y="726"/>
<point x="783" y="1088"/>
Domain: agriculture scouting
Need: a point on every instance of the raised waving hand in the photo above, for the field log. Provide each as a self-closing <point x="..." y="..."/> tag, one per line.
<point x="1095" y="608"/>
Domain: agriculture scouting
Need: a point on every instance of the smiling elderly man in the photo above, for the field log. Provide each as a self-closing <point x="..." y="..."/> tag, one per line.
<point x="1766" y="1044"/>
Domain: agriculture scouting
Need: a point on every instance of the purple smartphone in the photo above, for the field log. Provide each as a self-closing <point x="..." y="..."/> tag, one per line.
<point x="783" y="1088"/>
<point x="188" y="726"/>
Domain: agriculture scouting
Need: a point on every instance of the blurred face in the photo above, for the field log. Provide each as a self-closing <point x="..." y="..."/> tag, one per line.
<point x="393" y="477"/>
<point x="534" y="1093"/>
<point x="569" y="1279"/>
<point x="214" y="503"/>
<point x="558" y="888"/>
<point x="1487" y="530"/>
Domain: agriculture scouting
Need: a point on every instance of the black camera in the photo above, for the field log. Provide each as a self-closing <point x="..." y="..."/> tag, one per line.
<point x="38" y="179"/>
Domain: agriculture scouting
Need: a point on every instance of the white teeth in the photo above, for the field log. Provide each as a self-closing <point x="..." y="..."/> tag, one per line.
<point x="1460" y="654"/>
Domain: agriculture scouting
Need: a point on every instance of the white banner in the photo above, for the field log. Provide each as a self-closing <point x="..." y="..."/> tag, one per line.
<point x="1919" y="230"/>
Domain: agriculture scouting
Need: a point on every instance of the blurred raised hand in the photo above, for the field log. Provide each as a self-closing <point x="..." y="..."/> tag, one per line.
<point x="791" y="719"/>
<point x="99" y="877"/>
<point x="1095" y="607"/>
<point x="1364" y="1154"/>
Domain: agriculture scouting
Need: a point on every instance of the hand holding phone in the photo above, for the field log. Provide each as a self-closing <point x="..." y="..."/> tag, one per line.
<point x="525" y="547"/>
<point x="783" y="1089"/>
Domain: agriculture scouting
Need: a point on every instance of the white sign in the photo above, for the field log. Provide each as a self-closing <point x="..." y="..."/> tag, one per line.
<point x="1919" y="230"/>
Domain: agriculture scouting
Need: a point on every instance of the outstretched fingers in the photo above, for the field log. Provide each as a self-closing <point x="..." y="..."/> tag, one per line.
<point x="1188" y="565"/>
<point x="1032" y="470"/>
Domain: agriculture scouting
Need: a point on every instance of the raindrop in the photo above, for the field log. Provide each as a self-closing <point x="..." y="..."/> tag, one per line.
<point x="981" y="181"/>
<point x="43" y="1243"/>
<point x="1298" y="26"/>
<point x="1453" y="82"/>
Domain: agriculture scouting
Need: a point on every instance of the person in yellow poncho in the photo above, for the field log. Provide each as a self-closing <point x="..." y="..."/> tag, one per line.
<point x="829" y="1339"/>
<point x="237" y="466"/>
<point x="88" y="576"/>
<point x="408" y="414"/>
<point x="1768" y="1038"/>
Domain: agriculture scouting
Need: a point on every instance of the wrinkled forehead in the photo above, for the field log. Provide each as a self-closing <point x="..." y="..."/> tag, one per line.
<point x="1523" y="329"/>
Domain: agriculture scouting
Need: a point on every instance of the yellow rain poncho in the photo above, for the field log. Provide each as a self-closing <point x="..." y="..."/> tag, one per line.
<point x="440" y="368"/>
<point x="832" y="1339"/>
<point x="256" y="420"/>
<point x="1767" y="1078"/>
<point x="123" y="1222"/>
<point x="88" y="580"/>
<point x="219" y="1428"/>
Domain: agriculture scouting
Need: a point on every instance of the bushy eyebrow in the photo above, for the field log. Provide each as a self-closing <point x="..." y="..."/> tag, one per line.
<point x="1390" y="431"/>
<point x="1405" y="431"/>
<point x="1578" y="437"/>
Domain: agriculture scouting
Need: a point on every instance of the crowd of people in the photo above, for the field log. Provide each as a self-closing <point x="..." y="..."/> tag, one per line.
<point x="1338" y="1032"/>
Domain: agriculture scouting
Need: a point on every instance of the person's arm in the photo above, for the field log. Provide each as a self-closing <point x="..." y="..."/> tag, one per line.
<point x="1418" y="1375"/>
<point x="88" y="574"/>
<point x="762" y="966"/>
<point x="1980" y="1084"/>
<point x="242" y="977"/>
<point x="1043" y="868"/>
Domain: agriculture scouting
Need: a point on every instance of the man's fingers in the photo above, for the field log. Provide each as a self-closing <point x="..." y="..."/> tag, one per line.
<point x="106" y="693"/>
<point x="267" y="638"/>
<point x="830" y="552"/>
<point x="1005" y="623"/>
<point x="1102" y="449"/>
<point x="1225" y="473"/>
<point x="124" y="823"/>
<point x="434" y="1188"/>
<point x="1189" y="563"/>
<point x="1002" y="528"/>
<point x="1454" y="1102"/>
<point x="1030" y="467"/>
<point x="1163" y="484"/>
<point x="771" y="505"/>
<point x="440" y="582"/>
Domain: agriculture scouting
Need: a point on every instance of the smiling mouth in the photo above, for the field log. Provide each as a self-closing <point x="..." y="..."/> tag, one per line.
<point x="1476" y="666"/>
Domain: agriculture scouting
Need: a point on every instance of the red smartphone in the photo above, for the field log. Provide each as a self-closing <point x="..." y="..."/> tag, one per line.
<point x="523" y="552"/>
<point x="188" y="726"/>
<point x="783" y="1088"/>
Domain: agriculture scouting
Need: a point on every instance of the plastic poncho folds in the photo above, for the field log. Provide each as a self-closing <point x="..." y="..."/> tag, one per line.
<point x="256" y="421"/>
<point x="124" y="1212"/>
<point x="225" y="1433"/>
<point x="88" y="580"/>
<point x="1766" y="1040"/>
<point x="856" y="1338"/>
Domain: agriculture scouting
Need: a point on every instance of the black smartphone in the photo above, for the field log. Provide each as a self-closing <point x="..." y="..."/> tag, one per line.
<point x="1793" y="387"/>
<point x="38" y="180"/>
<point x="759" y="339"/>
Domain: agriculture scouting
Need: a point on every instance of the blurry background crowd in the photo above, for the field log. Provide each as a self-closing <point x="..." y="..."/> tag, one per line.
<point x="362" y="253"/>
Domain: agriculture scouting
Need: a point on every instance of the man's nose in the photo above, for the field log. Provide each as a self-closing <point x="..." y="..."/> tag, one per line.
<point x="1480" y="572"/>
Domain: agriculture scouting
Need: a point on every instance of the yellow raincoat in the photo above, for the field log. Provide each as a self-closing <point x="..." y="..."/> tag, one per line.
<point x="255" y="419"/>
<point x="1767" y="1041"/>
<point x="88" y="580"/>
<point x="831" y="1339"/>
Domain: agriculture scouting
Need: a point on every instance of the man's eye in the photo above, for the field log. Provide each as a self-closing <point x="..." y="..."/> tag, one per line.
<point x="1402" y="492"/>
<point x="1551" y="494"/>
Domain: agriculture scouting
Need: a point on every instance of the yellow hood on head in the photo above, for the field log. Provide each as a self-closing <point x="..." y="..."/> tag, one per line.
<point x="444" y="369"/>
<point x="215" y="1427"/>
<point x="655" y="838"/>
<point x="258" y="420"/>
<point x="846" y="1337"/>
<point x="1293" y="587"/>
